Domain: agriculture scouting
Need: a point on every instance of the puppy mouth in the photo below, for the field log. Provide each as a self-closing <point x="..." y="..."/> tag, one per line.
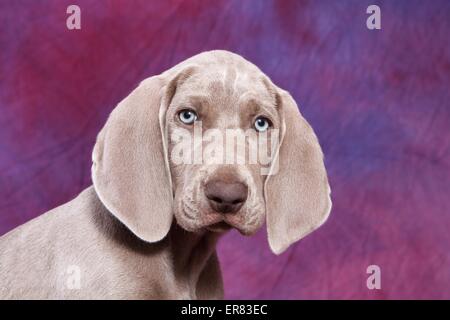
<point x="219" y="227"/>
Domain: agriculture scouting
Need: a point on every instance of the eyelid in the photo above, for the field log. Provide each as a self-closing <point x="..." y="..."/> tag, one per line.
<point x="181" y="109"/>
<point x="265" y="117"/>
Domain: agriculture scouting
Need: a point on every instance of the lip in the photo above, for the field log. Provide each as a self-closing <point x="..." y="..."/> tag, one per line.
<point x="221" y="226"/>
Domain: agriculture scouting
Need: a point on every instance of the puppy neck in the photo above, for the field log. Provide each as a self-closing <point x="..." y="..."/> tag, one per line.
<point x="191" y="251"/>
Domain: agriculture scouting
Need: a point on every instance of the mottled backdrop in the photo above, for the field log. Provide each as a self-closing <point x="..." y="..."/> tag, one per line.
<point x="378" y="100"/>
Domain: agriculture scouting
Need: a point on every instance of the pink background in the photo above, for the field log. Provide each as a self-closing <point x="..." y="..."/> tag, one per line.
<point x="378" y="101"/>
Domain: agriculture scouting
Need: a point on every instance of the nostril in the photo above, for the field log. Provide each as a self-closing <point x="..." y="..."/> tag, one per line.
<point x="216" y="199"/>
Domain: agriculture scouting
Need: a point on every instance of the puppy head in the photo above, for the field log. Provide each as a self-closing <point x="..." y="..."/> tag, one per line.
<point x="214" y="142"/>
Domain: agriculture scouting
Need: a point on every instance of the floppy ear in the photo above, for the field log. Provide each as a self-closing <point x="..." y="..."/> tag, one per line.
<point x="130" y="171"/>
<point x="297" y="195"/>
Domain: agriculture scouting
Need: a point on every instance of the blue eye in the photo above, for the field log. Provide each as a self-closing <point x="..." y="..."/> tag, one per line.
<point x="262" y="124"/>
<point x="187" y="116"/>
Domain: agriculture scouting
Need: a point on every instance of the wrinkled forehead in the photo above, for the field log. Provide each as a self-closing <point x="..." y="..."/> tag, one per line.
<point x="232" y="84"/>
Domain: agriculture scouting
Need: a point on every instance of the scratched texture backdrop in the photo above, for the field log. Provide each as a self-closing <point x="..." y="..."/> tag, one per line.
<point x="378" y="100"/>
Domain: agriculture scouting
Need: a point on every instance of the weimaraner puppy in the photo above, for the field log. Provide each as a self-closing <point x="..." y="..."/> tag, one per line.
<point x="148" y="226"/>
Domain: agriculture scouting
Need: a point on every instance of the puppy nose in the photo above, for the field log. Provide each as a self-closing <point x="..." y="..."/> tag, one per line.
<point x="226" y="197"/>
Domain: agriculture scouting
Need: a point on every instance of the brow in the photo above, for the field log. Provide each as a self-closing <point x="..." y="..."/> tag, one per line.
<point x="256" y="106"/>
<point x="198" y="98"/>
<point x="199" y="101"/>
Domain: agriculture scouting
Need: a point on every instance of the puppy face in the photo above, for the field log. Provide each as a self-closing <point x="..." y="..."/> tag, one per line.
<point x="222" y="120"/>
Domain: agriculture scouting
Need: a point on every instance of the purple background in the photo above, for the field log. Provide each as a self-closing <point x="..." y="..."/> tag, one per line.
<point x="378" y="101"/>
